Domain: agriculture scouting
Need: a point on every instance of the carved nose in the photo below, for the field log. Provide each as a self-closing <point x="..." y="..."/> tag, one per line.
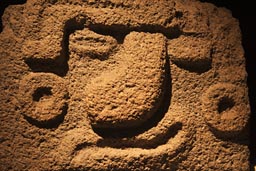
<point x="130" y="93"/>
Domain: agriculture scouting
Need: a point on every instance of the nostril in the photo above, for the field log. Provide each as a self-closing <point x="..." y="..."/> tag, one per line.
<point x="41" y="92"/>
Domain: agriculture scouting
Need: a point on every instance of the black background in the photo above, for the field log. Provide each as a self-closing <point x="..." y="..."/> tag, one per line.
<point x="247" y="17"/>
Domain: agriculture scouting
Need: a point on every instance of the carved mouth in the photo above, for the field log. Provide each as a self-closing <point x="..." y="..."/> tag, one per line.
<point x="166" y="139"/>
<point x="142" y="141"/>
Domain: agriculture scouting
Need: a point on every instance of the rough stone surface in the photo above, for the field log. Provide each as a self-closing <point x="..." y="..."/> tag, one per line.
<point x="122" y="85"/>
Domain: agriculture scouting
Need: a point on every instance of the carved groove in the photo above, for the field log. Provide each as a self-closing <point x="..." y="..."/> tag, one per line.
<point x="158" y="140"/>
<point x="49" y="124"/>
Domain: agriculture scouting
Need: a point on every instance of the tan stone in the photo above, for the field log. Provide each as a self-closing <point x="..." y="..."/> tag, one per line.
<point x="122" y="85"/>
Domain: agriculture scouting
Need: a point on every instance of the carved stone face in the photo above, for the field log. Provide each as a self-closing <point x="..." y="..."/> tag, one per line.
<point x="125" y="85"/>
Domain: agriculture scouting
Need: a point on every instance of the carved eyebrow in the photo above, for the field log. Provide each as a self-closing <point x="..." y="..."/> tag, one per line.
<point x="120" y="31"/>
<point x="117" y="31"/>
<point x="81" y="21"/>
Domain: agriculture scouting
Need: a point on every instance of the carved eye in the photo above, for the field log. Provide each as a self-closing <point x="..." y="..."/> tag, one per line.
<point x="225" y="110"/>
<point x="192" y="54"/>
<point x="43" y="99"/>
<point x="88" y="43"/>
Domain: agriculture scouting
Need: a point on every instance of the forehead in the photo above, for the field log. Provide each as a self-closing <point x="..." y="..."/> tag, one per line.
<point x="168" y="17"/>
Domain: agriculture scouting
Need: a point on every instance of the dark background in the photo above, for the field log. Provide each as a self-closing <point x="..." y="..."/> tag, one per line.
<point x="247" y="17"/>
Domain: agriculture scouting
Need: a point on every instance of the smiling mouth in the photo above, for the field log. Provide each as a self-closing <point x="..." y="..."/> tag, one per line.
<point x="167" y="138"/>
<point x="142" y="141"/>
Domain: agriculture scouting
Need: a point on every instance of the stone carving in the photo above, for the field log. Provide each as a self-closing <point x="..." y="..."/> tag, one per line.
<point x="122" y="85"/>
<point x="43" y="98"/>
<point x="193" y="54"/>
<point x="118" y="99"/>
<point x="225" y="108"/>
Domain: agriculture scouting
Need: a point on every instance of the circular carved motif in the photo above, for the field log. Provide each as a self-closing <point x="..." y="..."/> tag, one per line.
<point x="44" y="97"/>
<point x="225" y="108"/>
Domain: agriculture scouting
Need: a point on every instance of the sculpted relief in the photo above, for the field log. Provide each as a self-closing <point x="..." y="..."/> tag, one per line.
<point x="122" y="85"/>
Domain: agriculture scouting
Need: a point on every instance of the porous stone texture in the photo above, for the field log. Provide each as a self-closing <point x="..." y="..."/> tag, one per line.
<point x="122" y="85"/>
